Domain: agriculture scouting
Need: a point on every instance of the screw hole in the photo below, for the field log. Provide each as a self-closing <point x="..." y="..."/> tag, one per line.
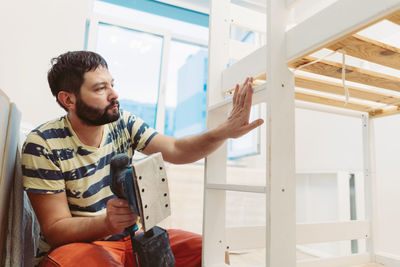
<point x="145" y="206"/>
<point x="166" y="205"/>
<point x="147" y="217"/>
<point x="163" y="179"/>
<point x="143" y="190"/>
<point x="165" y="194"/>
<point x="160" y="168"/>
<point x="140" y="177"/>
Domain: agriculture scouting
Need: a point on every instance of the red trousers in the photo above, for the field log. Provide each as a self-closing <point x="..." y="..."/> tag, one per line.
<point x="185" y="246"/>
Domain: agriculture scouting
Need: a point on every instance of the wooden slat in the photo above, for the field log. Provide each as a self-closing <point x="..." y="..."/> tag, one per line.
<point x="355" y="15"/>
<point x="314" y="98"/>
<point x="337" y="88"/>
<point x="334" y="69"/>
<point x="385" y="112"/>
<point x="395" y="17"/>
<point x="370" y="50"/>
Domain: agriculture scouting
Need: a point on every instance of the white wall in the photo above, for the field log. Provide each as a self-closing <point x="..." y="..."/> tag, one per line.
<point x="387" y="131"/>
<point x="33" y="32"/>
<point x="327" y="142"/>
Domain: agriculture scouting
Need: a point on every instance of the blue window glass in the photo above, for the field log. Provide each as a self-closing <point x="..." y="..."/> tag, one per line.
<point x="186" y="92"/>
<point x="134" y="60"/>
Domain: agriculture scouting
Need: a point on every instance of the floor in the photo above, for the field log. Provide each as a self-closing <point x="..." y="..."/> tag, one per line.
<point x="255" y="259"/>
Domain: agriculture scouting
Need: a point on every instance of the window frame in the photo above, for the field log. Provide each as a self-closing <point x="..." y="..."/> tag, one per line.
<point x="167" y="38"/>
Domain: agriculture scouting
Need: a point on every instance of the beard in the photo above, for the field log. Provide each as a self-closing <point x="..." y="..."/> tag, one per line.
<point x="93" y="116"/>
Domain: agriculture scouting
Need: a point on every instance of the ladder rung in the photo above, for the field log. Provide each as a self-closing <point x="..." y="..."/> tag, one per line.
<point x="237" y="187"/>
<point x="259" y="96"/>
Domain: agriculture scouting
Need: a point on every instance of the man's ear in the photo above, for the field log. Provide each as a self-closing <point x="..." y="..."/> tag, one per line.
<point x="66" y="99"/>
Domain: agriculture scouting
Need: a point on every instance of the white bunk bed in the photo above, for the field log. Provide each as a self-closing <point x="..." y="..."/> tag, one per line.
<point x="282" y="84"/>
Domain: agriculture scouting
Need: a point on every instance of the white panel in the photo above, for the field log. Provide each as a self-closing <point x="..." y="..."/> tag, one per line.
<point x="238" y="50"/>
<point x="329" y="232"/>
<point x="326" y="25"/>
<point x="245" y="237"/>
<point x="252" y="65"/>
<point x="7" y="169"/>
<point x="356" y="259"/>
<point x="4" y="113"/>
<point x="247" y="18"/>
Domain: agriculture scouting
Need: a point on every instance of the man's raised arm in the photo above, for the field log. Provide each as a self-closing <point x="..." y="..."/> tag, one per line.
<point x="193" y="148"/>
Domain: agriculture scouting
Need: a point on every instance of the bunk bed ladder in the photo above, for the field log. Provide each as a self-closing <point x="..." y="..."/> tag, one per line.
<point x="279" y="234"/>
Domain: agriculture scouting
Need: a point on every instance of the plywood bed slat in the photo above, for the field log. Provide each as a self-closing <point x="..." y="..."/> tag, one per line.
<point x="337" y="88"/>
<point x="358" y="75"/>
<point x="323" y="100"/>
<point x="395" y="17"/>
<point x="386" y="112"/>
<point x="370" y="50"/>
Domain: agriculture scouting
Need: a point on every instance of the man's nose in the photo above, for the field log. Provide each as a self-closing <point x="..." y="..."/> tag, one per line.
<point x="113" y="94"/>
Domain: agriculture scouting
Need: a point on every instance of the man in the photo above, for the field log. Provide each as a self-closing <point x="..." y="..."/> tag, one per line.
<point x="66" y="166"/>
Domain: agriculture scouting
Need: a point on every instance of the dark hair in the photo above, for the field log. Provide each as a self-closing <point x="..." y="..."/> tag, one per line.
<point x="66" y="73"/>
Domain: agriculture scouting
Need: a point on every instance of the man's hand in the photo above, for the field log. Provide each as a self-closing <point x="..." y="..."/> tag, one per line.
<point x="119" y="216"/>
<point x="237" y="123"/>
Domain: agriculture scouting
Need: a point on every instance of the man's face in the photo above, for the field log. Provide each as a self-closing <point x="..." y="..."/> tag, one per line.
<point x="97" y="102"/>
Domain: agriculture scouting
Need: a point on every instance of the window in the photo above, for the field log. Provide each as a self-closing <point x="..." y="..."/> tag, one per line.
<point x="186" y="96"/>
<point x="160" y="65"/>
<point x="134" y="60"/>
<point x="160" y="69"/>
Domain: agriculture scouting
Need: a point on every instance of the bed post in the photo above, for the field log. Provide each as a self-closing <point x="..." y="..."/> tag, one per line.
<point x="281" y="184"/>
<point x="370" y="180"/>
<point x="214" y="243"/>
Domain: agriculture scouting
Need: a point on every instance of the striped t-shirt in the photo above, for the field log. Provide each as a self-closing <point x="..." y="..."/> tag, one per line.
<point x="54" y="160"/>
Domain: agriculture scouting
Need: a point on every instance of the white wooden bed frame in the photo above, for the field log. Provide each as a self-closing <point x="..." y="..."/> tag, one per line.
<point x="291" y="49"/>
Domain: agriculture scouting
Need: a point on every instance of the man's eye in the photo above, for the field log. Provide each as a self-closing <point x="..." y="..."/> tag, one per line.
<point x="101" y="89"/>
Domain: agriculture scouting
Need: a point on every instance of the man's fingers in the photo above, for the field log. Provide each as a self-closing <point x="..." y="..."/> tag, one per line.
<point x="249" y="95"/>
<point x="118" y="203"/>
<point x="242" y="93"/>
<point x="120" y="211"/>
<point x="235" y="94"/>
